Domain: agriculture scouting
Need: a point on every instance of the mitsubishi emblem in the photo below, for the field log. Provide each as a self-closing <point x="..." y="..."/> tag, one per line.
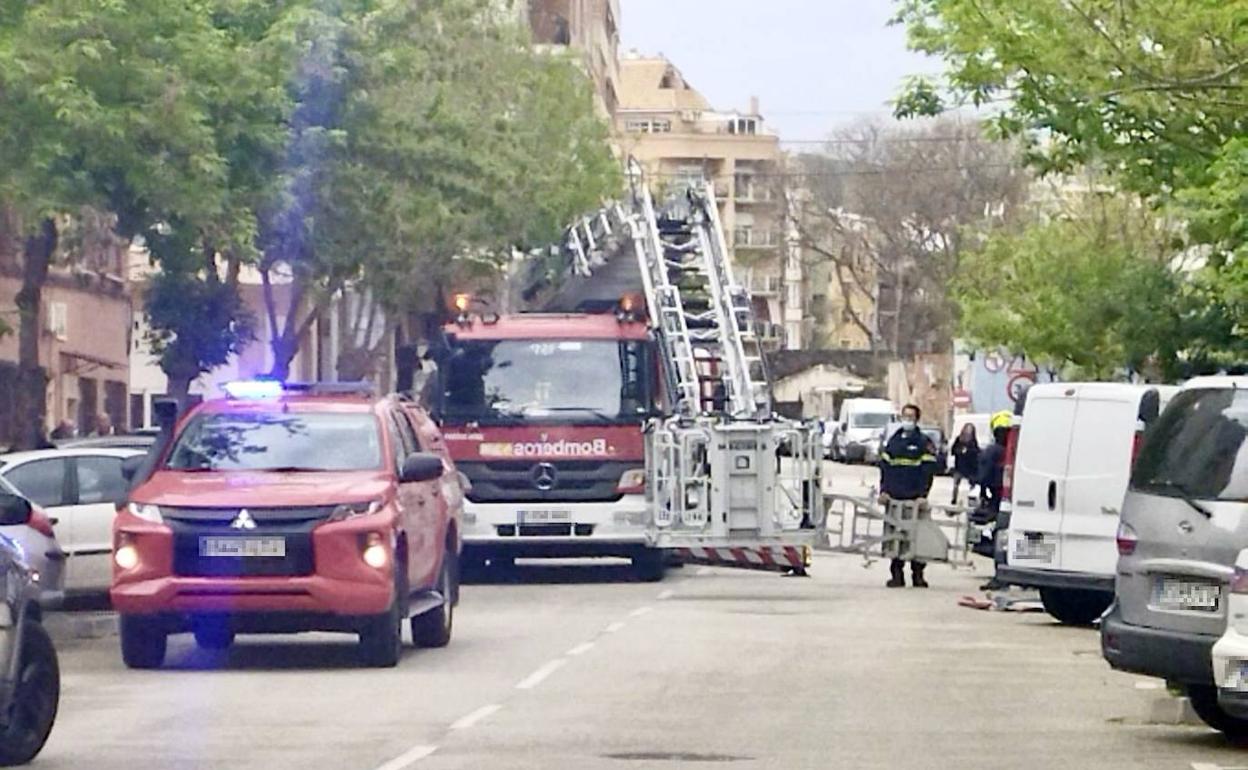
<point x="543" y="476"/>
<point x="243" y="521"/>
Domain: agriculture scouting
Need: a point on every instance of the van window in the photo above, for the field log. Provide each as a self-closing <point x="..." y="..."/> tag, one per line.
<point x="869" y="419"/>
<point x="1197" y="447"/>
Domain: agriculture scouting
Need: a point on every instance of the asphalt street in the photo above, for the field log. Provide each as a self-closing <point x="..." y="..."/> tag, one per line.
<point x="573" y="666"/>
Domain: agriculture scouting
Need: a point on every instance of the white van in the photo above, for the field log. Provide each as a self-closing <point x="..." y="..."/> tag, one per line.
<point x="858" y="425"/>
<point x="1070" y="471"/>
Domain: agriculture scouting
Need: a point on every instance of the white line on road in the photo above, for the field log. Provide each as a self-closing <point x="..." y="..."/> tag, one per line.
<point x="581" y="649"/>
<point x="669" y="593"/>
<point x="611" y="629"/>
<point x="536" y="678"/>
<point x="464" y="722"/>
<point x="640" y="611"/>
<point x="409" y="758"/>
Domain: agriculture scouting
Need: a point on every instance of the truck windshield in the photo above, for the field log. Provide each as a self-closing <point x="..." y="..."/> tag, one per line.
<point x="266" y="441"/>
<point x="507" y="381"/>
<point x="1197" y="448"/>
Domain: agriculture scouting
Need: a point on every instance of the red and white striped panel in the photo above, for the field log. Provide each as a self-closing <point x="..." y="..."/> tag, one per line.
<point x="779" y="558"/>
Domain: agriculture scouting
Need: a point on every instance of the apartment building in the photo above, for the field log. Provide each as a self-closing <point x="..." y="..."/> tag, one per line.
<point x="679" y="138"/>
<point x="590" y="28"/>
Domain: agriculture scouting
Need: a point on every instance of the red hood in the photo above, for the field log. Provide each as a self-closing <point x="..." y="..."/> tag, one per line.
<point x="258" y="489"/>
<point x="545" y="442"/>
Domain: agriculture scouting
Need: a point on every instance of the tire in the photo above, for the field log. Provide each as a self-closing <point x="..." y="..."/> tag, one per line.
<point x="648" y="565"/>
<point x="434" y="628"/>
<point x="381" y="640"/>
<point x="36" y="698"/>
<point x="1204" y="700"/>
<point x="143" y="643"/>
<point x="1074" y="607"/>
<point x="214" y="636"/>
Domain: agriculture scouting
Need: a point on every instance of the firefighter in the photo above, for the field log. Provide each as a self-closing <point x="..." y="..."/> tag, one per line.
<point x="991" y="480"/>
<point x="907" y="466"/>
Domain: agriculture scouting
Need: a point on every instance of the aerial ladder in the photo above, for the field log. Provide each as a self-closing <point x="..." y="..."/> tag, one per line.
<point x="729" y="481"/>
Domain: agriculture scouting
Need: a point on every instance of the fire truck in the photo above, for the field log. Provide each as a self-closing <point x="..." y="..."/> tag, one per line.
<point x="626" y="410"/>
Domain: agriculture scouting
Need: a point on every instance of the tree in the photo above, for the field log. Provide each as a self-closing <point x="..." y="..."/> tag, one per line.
<point x="428" y="138"/>
<point x="1097" y="287"/>
<point x="1152" y="93"/>
<point x="98" y="108"/>
<point x="887" y="211"/>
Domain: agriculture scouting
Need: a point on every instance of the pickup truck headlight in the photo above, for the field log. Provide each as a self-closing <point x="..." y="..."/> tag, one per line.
<point x="146" y="511"/>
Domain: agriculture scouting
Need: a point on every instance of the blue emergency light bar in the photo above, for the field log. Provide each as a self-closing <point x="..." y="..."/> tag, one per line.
<point x="253" y="390"/>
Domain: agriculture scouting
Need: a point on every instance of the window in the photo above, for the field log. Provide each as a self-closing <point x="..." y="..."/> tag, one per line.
<point x="43" y="481"/>
<point x="1198" y="447"/>
<point x="269" y="441"/>
<point x="743" y="126"/>
<point x="100" y="480"/>
<point x="655" y="126"/>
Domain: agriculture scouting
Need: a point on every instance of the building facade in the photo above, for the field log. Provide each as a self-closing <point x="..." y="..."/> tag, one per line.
<point x="590" y="28"/>
<point x="679" y="139"/>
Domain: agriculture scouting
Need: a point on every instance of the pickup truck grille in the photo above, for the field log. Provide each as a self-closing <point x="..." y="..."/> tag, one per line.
<point x="294" y="525"/>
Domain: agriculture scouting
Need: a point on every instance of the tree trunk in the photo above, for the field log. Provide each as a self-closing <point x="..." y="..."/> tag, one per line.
<point x="32" y="383"/>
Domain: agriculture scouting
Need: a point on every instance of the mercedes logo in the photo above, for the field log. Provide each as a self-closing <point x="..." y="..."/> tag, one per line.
<point x="543" y="476"/>
<point x="243" y="521"/>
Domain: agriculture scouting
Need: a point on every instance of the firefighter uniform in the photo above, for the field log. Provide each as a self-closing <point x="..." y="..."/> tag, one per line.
<point x="907" y="466"/>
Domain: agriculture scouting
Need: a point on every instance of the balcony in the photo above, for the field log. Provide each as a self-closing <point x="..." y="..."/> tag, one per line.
<point x="762" y="285"/>
<point x="748" y="193"/>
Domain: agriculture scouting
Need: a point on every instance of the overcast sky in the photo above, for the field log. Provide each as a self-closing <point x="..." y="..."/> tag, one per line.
<point x="814" y="64"/>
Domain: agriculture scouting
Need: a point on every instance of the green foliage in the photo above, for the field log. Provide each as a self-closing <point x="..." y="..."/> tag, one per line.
<point x="1097" y="290"/>
<point x="196" y="322"/>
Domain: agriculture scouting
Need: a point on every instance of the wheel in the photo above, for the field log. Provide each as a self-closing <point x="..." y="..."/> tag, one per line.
<point x="1074" y="607"/>
<point x="143" y="643"/>
<point x="381" y="640"/>
<point x="433" y="628"/>
<point x="214" y="636"/>
<point x="36" y="697"/>
<point x="648" y="565"/>
<point x="1204" y="700"/>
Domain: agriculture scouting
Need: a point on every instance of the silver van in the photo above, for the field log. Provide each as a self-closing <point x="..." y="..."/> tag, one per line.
<point x="1184" y="521"/>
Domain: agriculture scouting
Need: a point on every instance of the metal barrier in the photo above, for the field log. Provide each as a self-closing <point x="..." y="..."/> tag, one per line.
<point x="899" y="529"/>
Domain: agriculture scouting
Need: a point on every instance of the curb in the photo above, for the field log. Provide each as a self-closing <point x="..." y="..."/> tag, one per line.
<point x="71" y="626"/>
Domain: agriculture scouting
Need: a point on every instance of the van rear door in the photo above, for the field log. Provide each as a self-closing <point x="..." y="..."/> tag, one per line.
<point x="1096" y="479"/>
<point x="1039" y="467"/>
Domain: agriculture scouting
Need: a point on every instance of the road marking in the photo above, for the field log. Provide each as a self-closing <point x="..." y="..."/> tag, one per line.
<point x="703" y="571"/>
<point x="669" y="593"/>
<point x="464" y="722"/>
<point x="611" y="629"/>
<point x="536" y="678"/>
<point x="1148" y="685"/>
<point x="640" y="611"/>
<point x="409" y="758"/>
<point x="1211" y="766"/>
<point x="581" y="649"/>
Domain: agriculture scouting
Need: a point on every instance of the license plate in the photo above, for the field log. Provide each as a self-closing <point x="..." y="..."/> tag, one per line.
<point x="262" y="547"/>
<point x="1034" y="548"/>
<point x="545" y="517"/>
<point x="1182" y="594"/>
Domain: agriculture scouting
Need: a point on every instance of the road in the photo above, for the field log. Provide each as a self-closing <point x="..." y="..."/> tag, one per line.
<point x="578" y="667"/>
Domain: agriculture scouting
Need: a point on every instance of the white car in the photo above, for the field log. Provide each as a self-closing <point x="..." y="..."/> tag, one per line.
<point x="1230" y="653"/>
<point x="39" y="549"/>
<point x="79" y="489"/>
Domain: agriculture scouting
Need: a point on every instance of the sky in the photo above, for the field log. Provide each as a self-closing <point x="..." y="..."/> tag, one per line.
<point x="814" y="64"/>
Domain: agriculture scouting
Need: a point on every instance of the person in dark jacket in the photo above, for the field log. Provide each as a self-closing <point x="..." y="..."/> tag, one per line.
<point x="907" y="466"/>
<point x="965" y="452"/>
<point x="991" y="478"/>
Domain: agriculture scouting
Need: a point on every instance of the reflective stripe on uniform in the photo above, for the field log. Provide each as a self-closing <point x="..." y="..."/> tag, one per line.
<point x="904" y="462"/>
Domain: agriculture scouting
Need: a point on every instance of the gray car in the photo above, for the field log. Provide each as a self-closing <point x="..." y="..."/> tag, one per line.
<point x="37" y="541"/>
<point x="1184" y="521"/>
<point x="30" y="680"/>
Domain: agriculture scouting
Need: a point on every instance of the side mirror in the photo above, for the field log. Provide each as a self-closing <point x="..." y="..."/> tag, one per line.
<point x="131" y="465"/>
<point x="421" y="466"/>
<point x="14" y="510"/>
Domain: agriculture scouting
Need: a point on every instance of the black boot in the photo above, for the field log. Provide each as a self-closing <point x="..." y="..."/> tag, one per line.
<point x="898" y="568"/>
<point x="916" y="574"/>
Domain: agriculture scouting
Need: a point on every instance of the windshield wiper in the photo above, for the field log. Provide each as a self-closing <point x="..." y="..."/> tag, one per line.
<point x="291" y="469"/>
<point x="597" y="414"/>
<point x="1184" y="494"/>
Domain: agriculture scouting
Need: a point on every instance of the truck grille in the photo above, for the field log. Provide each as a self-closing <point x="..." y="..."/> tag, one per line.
<point x="293" y="525"/>
<point x="579" y="481"/>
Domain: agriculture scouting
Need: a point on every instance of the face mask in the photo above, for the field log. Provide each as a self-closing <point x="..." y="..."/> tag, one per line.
<point x="909" y="424"/>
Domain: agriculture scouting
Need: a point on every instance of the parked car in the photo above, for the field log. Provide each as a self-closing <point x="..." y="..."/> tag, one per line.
<point x="1184" y="523"/>
<point x="80" y="490"/>
<point x="1230" y="652"/>
<point x="855" y="435"/>
<point x="1073" y="458"/>
<point x="282" y="509"/>
<point x="140" y="439"/>
<point x="42" y="553"/>
<point x="30" y="679"/>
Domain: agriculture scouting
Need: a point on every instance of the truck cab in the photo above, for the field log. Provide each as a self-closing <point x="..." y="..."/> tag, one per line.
<point x="543" y="412"/>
